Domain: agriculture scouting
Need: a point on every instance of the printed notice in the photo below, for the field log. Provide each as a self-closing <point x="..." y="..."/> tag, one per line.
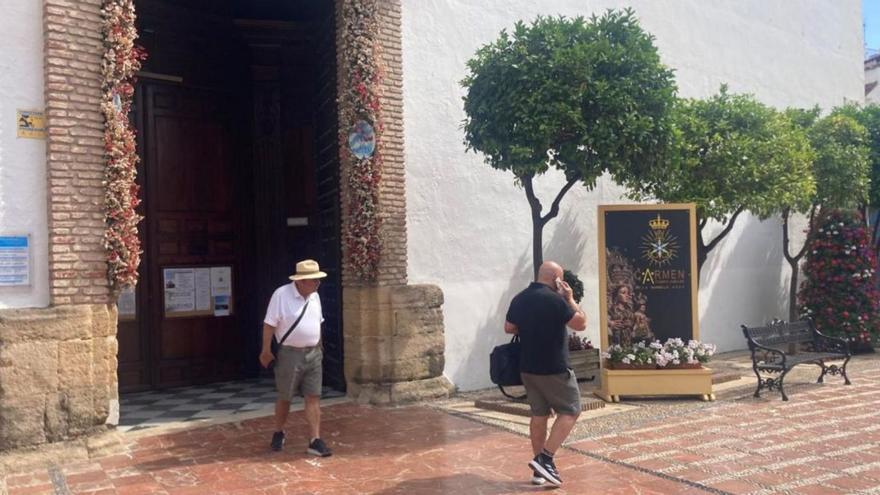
<point x="15" y="262"/>
<point x="127" y="304"/>
<point x="203" y="289"/>
<point x="221" y="289"/>
<point x="179" y="284"/>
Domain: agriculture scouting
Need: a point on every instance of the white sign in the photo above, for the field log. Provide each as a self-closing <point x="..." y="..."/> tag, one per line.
<point x="179" y="284"/>
<point x="15" y="260"/>
<point x="221" y="289"/>
<point x="127" y="303"/>
<point x="203" y="289"/>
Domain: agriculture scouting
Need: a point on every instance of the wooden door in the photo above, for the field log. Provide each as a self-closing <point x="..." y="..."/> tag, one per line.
<point x="190" y="223"/>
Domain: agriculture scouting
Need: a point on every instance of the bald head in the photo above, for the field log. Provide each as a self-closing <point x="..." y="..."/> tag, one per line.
<point x="548" y="273"/>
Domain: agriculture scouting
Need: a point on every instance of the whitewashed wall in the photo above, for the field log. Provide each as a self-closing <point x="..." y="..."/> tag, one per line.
<point x="23" y="161"/>
<point x="468" y="226"/>
<point x="872" y="80"/>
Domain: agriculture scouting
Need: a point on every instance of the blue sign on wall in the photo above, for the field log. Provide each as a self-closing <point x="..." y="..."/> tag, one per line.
<point x="15" y="263"/>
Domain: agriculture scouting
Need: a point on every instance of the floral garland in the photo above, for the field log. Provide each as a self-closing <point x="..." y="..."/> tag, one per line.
<point x="360" y="101"/>
<point x="122" y="58"/>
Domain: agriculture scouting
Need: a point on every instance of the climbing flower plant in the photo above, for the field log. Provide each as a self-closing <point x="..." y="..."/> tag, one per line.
<point x="122" y="59"/>
<point x="360" y="104"/>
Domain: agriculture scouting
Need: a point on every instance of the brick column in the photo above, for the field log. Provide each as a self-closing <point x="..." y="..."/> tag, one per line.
<point x="75" y="151"/>
<point x="394" y="338"/>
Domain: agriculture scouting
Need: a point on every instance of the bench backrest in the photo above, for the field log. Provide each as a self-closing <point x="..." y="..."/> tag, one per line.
<point x="776" y="334"/>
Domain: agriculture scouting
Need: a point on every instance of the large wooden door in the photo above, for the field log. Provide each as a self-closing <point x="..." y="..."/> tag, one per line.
<point x="190" y="223"/>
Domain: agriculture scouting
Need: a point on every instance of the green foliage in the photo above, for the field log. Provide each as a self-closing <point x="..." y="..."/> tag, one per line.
<point x="577" y="287"/>
<point x="869" y="117"/>
<point x="841" y="166"/>
<point x="580" y="96"/>
<point x="732" y="153"/>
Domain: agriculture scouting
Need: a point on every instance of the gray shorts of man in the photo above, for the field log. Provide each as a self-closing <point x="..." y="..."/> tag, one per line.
<point x="298" y="371"/>
<point x="558" y="392"/>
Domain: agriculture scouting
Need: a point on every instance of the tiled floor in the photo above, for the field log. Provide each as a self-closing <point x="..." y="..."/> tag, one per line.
<point x="158" y="408"/>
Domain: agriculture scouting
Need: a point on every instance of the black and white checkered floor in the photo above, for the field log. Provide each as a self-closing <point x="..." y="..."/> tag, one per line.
<point x="143" y="410"/>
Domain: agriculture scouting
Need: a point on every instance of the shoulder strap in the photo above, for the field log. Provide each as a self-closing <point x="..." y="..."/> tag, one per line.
<point x="301" y="313"/>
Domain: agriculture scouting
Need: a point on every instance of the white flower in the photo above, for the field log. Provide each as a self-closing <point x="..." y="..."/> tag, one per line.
<point x="631" y="357"/>
<point x="625" y="361"/>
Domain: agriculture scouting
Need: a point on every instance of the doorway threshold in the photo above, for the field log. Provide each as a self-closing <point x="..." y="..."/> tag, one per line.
<point x="216" y="402"/>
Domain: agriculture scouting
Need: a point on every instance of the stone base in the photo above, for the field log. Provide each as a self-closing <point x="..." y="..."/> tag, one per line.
<point x="57" y="373"/>
<point x="400" y="392"/>
<point x="97" y="442"/>
<point x="394" y="343"/>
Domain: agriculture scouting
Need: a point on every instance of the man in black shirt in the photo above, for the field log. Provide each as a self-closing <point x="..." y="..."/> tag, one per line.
<point x="539" y="315"/>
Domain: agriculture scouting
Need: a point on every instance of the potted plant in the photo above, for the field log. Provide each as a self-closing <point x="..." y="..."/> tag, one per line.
<point x="672" y="354"/>
<point x="634" y="357"/>
<point x="583" y="358"/>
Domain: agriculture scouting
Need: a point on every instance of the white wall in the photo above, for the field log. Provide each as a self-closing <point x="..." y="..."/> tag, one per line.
<point x="23" y="161"/>
<point x="872" y="80"/>
<point x="468" y="226"/>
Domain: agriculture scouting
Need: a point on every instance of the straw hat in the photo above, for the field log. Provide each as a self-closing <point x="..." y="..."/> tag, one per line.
<point x="306" y="270"/>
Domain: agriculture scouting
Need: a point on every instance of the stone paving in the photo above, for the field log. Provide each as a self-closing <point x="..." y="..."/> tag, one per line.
<point x="826" y="440"/>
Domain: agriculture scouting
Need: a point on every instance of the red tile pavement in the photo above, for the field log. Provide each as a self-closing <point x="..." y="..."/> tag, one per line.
<point x="412" y="450"/>
<point x="825" y="440"/>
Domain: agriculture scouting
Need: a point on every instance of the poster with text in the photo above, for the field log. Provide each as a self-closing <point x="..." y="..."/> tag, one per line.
<point x="648" y="273"/>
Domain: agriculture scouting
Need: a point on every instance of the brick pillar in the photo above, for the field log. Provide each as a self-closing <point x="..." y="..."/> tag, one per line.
<point x="394" y="339"/>
<point x="75" y="152"/>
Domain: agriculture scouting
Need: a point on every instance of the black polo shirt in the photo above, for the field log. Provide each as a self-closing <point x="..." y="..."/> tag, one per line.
<point x="541" y="314"/>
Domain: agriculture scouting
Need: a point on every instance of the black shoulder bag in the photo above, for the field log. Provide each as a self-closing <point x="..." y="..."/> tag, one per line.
<point x="504" y="366"/>
<point x="277" y="344"/>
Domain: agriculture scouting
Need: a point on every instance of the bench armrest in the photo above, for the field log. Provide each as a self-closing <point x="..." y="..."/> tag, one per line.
<point x="778" y="355"/>
<point x="826" y="343"/>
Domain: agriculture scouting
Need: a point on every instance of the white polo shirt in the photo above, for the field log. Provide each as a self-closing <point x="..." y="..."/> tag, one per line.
<point x="284" y="308"/>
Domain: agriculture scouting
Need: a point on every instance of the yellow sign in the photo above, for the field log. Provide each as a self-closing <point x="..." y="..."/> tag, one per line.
<point x="30" y="124"/>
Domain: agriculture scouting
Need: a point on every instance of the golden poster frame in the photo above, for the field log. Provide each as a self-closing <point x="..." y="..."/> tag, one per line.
<point x="616" y="383"/>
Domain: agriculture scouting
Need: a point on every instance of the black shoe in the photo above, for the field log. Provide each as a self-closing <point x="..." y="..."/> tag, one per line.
<point x="318" y="448"/>
<point x="277" y="441"/>
<point x="544" y="466"/>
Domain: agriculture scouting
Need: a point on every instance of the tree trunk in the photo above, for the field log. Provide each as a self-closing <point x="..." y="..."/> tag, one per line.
<point x="703" y="249"/>
<point x="792" y="293"/>
<point x="539" y="221"/>
<point x="794" y="260"/>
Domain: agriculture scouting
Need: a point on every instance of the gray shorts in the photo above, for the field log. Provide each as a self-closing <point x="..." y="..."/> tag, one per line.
<point x="298" y="371"/>
<point x="559" y="392"/>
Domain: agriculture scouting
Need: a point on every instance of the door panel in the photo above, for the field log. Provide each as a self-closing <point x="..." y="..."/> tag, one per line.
<point x="190" y="224"/>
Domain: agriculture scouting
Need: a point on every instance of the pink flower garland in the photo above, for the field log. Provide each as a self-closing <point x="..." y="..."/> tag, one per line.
<point x="360" y="100"/>
<point x="122" y="58"/>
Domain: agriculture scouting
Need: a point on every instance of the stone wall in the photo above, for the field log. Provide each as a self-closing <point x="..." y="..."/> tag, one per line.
<point x="57" y="373"/>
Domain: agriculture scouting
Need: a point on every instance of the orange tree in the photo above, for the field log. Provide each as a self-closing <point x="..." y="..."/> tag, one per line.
<point x="581" y="96"/>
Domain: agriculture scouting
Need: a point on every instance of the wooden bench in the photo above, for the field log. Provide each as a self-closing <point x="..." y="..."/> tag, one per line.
<point x="779" y="347"/>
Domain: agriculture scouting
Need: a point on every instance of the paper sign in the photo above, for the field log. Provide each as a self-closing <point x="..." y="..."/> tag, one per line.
<point x="203" y="289"/>
<point x="15" y="262"/>
<point x="30" y="124"/>
<point x="221" y="289"/>
<point x="127" y="304"/>
<point x="179" y="284"/>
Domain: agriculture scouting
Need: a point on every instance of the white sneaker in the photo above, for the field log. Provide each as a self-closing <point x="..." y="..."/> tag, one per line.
<point x="537" y="479"/>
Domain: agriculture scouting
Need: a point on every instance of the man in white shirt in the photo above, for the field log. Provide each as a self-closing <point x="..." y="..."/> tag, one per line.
<point x="298" y="366"/>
